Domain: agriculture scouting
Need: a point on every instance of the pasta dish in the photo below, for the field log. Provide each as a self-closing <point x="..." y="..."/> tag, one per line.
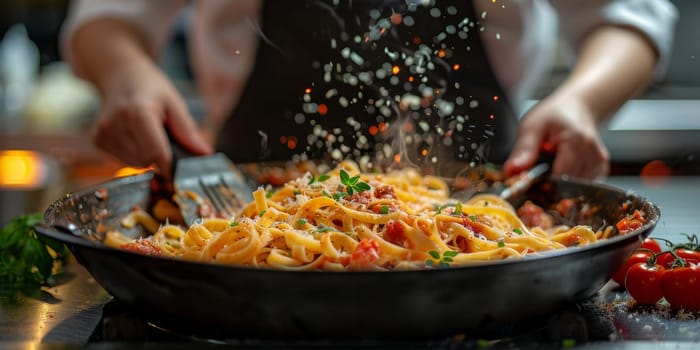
<point x="347" y="220"/>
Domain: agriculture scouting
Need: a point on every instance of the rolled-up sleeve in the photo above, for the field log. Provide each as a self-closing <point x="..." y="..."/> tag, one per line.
<point x="656" y="19"/>
<point x="153" y="19"/>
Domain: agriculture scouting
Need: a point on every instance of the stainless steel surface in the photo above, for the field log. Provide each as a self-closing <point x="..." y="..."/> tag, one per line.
<point x="76" y="307"/>
<point x="66" y="313"/>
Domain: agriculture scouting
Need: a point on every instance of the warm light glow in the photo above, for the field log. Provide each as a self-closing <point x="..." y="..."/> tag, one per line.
<point x="456" y="66"/>
<point x="397" y="158"/>
<point x="495" y="98"/>
<point x="395" y="70"/>
<point x="129" y="171"/>
<point x="383" y="127"/>
<point x="410" y="79"/>
<point x="21" y="169"/>
<point x="292" y="142"/>
<point x="417" y="40"/>
<point x="373" y="130"/>
<point x="424" y="152"/>
<point x="322" y="109"/>
<point x="441" y="53"/>
<point x="308" y="90"/>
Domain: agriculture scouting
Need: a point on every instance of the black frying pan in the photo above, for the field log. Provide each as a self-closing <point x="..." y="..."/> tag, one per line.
<point x="237" y="301"/>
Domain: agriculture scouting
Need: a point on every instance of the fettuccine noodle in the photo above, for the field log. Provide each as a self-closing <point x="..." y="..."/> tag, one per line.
<point x="344" y="220"/>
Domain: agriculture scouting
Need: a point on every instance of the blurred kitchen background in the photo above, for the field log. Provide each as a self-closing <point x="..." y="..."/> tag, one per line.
<point x="46" y="113"/>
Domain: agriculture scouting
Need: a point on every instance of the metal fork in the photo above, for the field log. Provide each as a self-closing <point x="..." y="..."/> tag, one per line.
<point x="221" y="195"/>
<point x="215" y="181"/>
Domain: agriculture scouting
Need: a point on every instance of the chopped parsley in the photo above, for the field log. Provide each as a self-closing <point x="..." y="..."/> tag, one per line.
<point x="518" y="231"/>
<point x="325" y="229"/>
<point x="263" y="212"/>
<point x="233" y="224"/>
<point x="501" y="243"/>
<point x="269" y="193"/>
<point x="444" y="261"/>
<point x="472" y="218"/>
<point x="384" y="209"/>
<point x="301" y="222"/>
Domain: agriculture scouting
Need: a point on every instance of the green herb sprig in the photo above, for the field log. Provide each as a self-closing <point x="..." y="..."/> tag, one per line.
<point x="353" y="184"/>
<point x="25" y="256"/>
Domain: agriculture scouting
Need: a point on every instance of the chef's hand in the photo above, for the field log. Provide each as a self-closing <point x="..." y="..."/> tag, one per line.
<point x="138" y="105"/>
<point x="567" y="127"/>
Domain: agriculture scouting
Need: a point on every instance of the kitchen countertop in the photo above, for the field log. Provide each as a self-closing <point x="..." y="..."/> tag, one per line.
<point x="71" y="312"/>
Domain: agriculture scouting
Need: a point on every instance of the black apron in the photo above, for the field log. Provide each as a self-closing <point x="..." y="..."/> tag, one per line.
<point x="346" y="79"/>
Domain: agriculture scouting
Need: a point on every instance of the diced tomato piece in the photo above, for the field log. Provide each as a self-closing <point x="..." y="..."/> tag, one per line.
<point x="142" y="246"/>
<point x="572" y="240"/>
<point x="533" y="215"/>
<point x="565" y="207"/>
<point x="631" y="222"/>
<point x="366" y="253"/>
<point x="385" y="192"/>
<point x="395" y="232"/>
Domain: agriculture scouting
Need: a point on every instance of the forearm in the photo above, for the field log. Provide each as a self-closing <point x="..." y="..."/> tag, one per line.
<point x="614" y="63"/>
<point x="106" y="49"/>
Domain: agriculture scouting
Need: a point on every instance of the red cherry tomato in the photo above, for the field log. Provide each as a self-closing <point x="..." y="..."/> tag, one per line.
<point x="637" y="257"/>
<point x="651" y="244"/>
<point x="681" y="287"/>
<point x="666" y="259"/>
<point x="643" y="282"/>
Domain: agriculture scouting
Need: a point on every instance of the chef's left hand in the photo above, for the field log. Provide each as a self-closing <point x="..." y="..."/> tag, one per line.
<point x="567" y="127"/>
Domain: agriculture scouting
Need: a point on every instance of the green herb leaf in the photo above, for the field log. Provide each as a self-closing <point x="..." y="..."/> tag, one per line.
<point x="297" y="192"/>
<point x="325" y="229"/>
<point x="325" y="193"/>
<point x="518" y="231"/>
<point x="429" y="262"/>
<point x="450" y="254"/>
<point x="339" y="195"/>
<point x="458" y="208"/>
<point x="269" y="193"/>
<point x="568" y="343"/>
<point x="263" y="212"/>
<point x="344" y="177"/>
<point x="384" y="209"/>
<point x="434" y="254"/>
<point x="443" y="264"/>
<point x="25" y="256"/>
<point x="323" y="177"/>
<point x="501" y="243"/>
<point x="472" y="218"/>
<point x="353" y="180"/>
<point x="362" y="186"/>
<point x="233" y="223"/>
<point x="301" y="222"/>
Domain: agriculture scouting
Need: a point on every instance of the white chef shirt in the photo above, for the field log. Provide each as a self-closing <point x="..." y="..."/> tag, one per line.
<point x="520" y="36"/>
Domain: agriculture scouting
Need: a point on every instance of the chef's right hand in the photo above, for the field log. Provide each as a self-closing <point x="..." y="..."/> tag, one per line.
<point x="138" y="104"/>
